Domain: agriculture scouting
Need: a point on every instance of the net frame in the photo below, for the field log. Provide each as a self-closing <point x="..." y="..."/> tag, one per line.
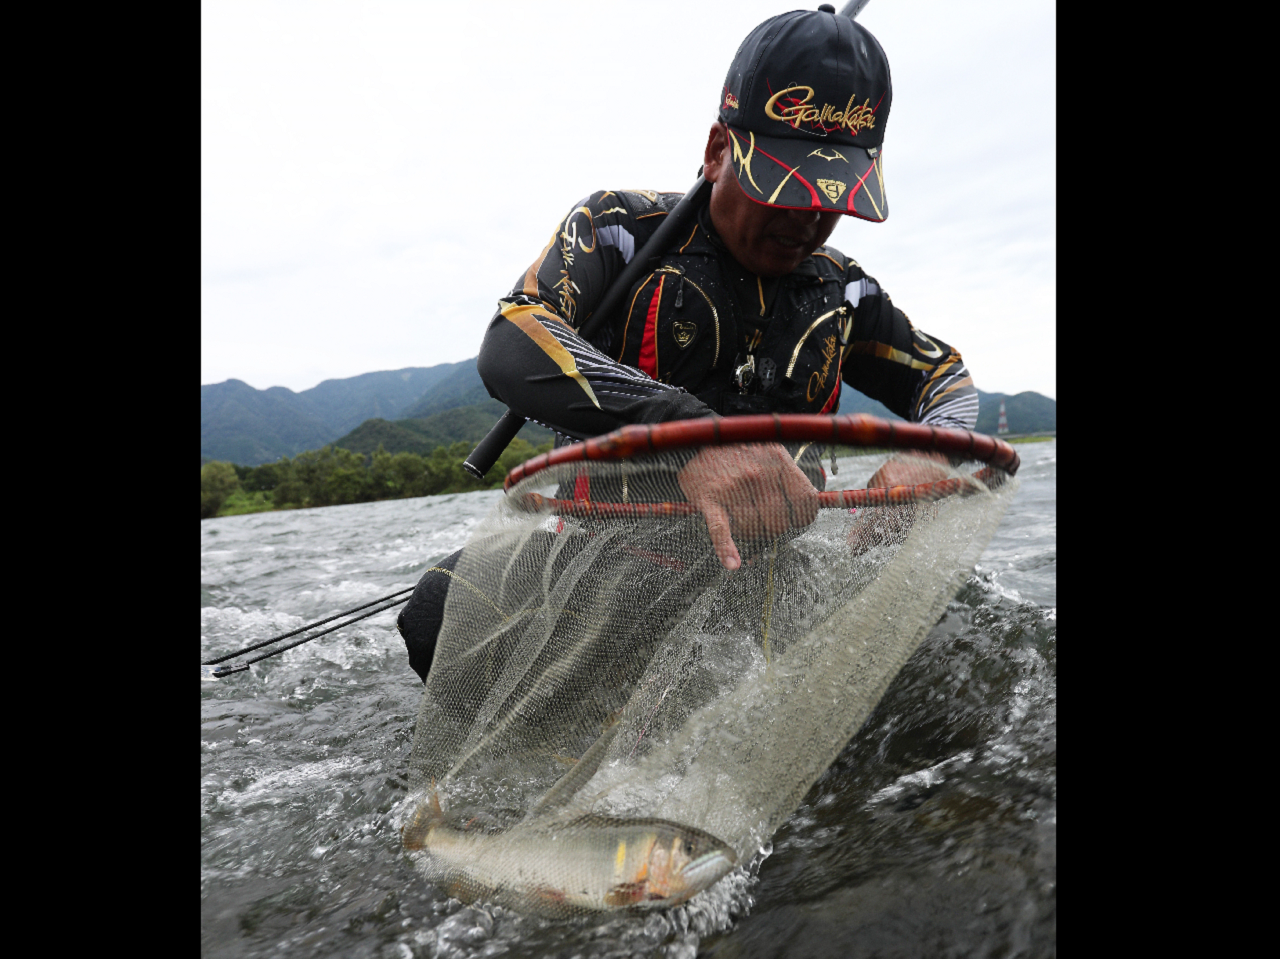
<point x="855" y="429"/>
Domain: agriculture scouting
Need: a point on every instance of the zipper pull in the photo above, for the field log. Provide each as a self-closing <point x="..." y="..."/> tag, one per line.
<point x="680" y="293"/>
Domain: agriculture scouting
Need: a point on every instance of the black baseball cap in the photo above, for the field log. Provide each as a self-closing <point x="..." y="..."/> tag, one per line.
<point x="806" y="101"/>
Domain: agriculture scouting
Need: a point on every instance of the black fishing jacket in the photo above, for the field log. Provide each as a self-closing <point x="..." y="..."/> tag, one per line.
<point x="698" y="334"/>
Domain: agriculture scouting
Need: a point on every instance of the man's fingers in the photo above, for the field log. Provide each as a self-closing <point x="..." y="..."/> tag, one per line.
<point x="802" y="497"/>
<point x="767" y="492"/>
<point x="908" y="470"/>
<point x="800" y="494"/>
<point x="721" y="537"/>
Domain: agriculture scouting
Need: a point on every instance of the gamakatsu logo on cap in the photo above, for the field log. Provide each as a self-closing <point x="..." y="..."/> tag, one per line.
<point x="797" y="110"/>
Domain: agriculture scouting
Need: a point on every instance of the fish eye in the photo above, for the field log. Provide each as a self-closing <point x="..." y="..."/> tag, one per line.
<point x="688" y="847"/>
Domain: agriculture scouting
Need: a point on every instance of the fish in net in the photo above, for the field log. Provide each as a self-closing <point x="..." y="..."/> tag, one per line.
<point x="613" y="718"/>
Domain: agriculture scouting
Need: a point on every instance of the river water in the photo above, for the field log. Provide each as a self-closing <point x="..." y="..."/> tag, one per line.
<point x="934" y="833"/>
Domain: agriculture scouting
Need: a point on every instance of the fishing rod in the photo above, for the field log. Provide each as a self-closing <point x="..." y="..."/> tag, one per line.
<point x="396" y="599"/>
<point x="504" y="431"/>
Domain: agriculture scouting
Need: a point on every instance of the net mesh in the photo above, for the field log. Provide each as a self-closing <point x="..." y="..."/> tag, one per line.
<point x="614" y="719"/>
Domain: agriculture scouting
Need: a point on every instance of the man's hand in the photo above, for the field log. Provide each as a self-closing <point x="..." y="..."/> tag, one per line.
<point x="914" y="469"/>
<point x="748" y="491"/>
<point x="888" y="525"/>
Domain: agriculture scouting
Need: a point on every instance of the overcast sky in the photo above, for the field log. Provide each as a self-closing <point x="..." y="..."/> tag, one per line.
<point x="375" y="175"/>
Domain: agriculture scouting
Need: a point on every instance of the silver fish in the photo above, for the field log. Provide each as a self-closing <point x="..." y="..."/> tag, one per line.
<point x="589" y="864"/>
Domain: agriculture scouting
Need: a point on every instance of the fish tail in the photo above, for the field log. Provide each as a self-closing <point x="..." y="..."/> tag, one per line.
<point x="426" y="817"/>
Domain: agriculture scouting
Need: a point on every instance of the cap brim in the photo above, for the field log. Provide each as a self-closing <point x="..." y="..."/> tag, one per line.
<point x="803" y="174"/>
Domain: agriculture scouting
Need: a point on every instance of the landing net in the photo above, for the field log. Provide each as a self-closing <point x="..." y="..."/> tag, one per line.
<point x="613" y="718"/>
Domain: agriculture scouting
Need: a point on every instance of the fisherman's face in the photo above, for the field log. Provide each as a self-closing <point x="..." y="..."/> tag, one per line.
<point x="767" y="240"/>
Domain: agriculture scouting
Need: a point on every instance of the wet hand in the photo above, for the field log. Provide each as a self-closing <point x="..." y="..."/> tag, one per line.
<point x="747" y="491"/>
<point x="888" y="525"/>
<point x="910" y="469"/>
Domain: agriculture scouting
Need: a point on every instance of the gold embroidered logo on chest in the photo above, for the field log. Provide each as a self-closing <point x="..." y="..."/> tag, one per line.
<point x="683" y="332"/>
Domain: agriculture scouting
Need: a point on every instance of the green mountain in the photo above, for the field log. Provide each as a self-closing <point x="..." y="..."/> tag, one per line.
<point x="1027" y="412"/>
<point x="250" y="426"/>
<point x="421" y="435"/>
<point x="345" y="404"/>
<point x="461" y="387"/>
<point x="419" y="408"/>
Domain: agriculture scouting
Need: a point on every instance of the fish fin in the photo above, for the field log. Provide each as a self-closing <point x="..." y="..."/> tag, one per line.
<point x="464" y="890"/>
<point x="626" y="893"/>
<point x="548" y="895"/>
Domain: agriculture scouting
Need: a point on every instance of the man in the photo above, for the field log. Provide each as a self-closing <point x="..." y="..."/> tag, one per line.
<point x="748" y="313"/>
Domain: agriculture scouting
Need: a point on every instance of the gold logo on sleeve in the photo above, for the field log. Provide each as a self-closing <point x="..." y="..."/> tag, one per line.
<point x="832" y="188"/>
<point x="683" y="333"/>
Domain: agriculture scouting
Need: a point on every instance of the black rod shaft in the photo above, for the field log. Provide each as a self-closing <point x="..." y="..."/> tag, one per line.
<point x="227" y="670"/>
<point x="663" y="236"/>
<point x="504" y="431"/>
<point x="495" y="441"/>
<point x="303" y="629"/>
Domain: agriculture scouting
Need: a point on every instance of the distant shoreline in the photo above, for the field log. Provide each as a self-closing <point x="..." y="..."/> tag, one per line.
<point x="1029" y="437"/>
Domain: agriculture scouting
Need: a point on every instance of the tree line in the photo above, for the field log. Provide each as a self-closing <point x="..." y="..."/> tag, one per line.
<point x="333" y="476"/>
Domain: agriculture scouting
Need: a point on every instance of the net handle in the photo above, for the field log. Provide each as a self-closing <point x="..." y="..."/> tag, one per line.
<point x="856" y="429"/>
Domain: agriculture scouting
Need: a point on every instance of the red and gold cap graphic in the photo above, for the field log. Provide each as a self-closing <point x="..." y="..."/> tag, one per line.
<point x="806" y="101"/>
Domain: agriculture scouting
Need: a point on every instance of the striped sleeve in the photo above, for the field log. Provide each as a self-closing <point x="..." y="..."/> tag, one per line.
<point x="915" y="375"/>
<point x="533" y="358"/>
<point x="948" y="397"/>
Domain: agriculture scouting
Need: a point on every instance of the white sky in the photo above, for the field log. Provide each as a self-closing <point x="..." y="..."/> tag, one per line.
<point x="375" y="175"/>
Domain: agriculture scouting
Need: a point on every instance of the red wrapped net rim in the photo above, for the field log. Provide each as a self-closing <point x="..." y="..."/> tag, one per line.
<point x="849" y="430"/>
